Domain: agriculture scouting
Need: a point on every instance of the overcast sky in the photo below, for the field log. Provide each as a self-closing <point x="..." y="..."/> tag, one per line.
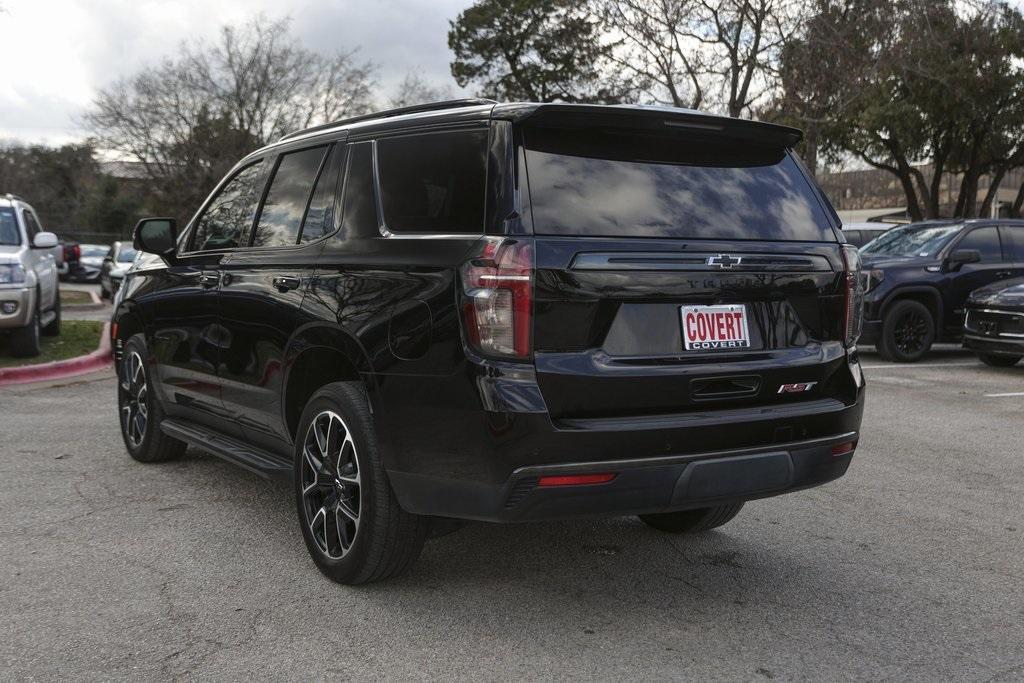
<point x="57" y="53"/>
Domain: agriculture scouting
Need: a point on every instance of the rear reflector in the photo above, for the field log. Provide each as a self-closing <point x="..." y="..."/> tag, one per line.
<point x="576" y="479"/>
<point x="844" y="448"/>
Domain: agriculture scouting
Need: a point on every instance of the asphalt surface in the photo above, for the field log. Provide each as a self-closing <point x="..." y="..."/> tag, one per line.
<point x="909" y="568"/>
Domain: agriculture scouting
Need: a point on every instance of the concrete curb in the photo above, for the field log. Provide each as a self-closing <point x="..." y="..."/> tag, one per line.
<point x="97" y="302"/>
<point x="60" y="369"/>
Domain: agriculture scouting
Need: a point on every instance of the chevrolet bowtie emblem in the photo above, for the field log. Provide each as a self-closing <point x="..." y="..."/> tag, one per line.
<point x="724" y="261"/>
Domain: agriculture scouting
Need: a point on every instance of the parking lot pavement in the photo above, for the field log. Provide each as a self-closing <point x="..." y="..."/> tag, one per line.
<point x="910" y="567"/>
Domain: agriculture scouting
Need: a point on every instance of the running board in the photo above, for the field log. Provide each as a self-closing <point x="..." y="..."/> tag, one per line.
<point x="233" y="450"/>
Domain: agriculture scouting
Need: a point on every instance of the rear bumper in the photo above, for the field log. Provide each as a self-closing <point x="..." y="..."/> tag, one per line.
<point x="648" y="485"/>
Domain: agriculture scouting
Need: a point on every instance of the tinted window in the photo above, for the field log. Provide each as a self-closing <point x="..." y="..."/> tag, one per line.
<point x="320" y="219"/>
<point x="627" y="184"/>
<point x="1013" y="242"/>
<point x="127" y="255"/>
<point x="9" y="233"/>
<point x="227" y="221"/>
<point x="31" y="226"/>
<point x="434" y="183"/>
<point x="986" y="241"/>
<point x="854" y="237"/>
<point x="360" y="209"/>
<point x="286" y="200"/>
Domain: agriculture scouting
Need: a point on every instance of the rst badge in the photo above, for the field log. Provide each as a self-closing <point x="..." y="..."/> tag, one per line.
<point x="796" y="387"/>
<point x="707" y="328"/>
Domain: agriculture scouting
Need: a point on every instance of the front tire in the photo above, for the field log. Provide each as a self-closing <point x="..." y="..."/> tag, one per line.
<point x="24" y="341"/>
<point x="998" y="361"/>
<point x="352" y="524"/>
<point x="908" y="332"/>
<point x="693" y="521"/>
<point x="139" y="410"/>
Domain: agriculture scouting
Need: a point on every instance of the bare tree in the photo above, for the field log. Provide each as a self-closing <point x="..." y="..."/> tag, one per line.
<point x="414" y="89"/>
<point x="692" y="53"/>
<point x="188" y="119"/>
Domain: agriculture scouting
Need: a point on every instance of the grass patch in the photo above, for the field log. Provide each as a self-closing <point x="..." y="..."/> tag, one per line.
<point x="72" y="297"/>
<point x="76" y="338"/>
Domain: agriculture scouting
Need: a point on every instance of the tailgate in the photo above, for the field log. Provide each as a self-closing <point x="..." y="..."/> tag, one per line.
<point x="611" y="319"/>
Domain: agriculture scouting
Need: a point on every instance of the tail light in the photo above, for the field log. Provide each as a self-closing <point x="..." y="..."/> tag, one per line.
<point x="854" y="284"/>
<point x="498" y="299"/>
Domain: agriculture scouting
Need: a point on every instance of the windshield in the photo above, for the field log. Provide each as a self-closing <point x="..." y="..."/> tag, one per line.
<point x="126" y="256"/>
<point x="633" y="184"/>
<point x="912" y="241"/>
<point x="9" y="235"/>
<point x="93" y="251"/>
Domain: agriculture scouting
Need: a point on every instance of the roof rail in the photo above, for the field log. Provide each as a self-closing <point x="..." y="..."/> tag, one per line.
<point x="13" y="197"/>
<point x="388" y="113"/>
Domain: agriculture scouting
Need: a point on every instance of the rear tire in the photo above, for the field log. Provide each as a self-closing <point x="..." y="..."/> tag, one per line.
<point x="138" y="409"/>
<point x="53" y="329"/>
<point x="693" y="521"/>
<point x="908" y="332"/>
<point x="998" y="361"/>
<point x="352" y="524"/>
<point x="24" y="341"/>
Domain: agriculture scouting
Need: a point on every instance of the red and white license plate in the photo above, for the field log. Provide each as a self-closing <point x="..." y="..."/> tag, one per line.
<point x="713" y="328"/>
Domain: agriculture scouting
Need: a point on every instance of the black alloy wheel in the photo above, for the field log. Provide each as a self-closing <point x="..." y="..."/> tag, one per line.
<point x="331" y="485"/>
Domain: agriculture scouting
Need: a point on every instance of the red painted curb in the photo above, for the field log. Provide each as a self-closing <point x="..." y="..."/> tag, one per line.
<point x="59" y="369"/>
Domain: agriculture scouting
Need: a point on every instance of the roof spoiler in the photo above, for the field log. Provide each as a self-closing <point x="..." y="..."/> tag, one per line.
<point x="648" y="118"/>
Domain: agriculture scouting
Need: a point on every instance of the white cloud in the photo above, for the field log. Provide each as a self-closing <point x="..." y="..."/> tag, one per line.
<point x="57" y="53"/>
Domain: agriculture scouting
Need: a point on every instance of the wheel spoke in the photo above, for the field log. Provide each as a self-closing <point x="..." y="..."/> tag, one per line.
<point x="330" y="484"/>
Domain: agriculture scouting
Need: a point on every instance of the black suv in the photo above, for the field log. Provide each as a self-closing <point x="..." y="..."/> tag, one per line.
<point x="918" y="278"/>
<point x="501" y="312"/>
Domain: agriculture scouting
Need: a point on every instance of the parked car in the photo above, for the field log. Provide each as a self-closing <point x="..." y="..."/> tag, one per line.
<point x="918" y="278"/>
<point x="29" y="295"/>
<point x="118" y="260"/>
<point x="859" y="234"/>
<point x="91" y="262"/>
<point x="994" y="323"/>
<point x="660" y="323"/>
<point x="70" y="255"/>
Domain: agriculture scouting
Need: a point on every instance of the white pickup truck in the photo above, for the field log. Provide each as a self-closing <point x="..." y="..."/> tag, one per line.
<point x="29" y="295"/>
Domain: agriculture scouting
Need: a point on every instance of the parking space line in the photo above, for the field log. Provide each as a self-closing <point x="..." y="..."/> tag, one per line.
<point x="1011" y="393"/>
<point x="910" y="366"/>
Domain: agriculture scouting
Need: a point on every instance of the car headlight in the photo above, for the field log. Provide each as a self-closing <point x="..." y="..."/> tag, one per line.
<point x="872" y="278"/>
<point x="11" y="273"/>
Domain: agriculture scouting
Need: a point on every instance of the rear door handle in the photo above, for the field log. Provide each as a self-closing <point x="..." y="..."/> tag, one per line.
<point x="209" y="279"/>
<point x="284" y="283"/>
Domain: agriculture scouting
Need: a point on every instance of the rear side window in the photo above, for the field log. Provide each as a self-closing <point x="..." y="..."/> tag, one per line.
<point x="986" y="241"/>
<point x="1013" y="242"/>
<point x="854" y="237"/>
<point x="360" y="209"/>
<point x="434" y="183"/>
<point x="285" y="203"/>
<point x="627" y="184"/>
<point x="320" y="219"/>
<point x="31" y="226"/>
<point x="227" y="221"/>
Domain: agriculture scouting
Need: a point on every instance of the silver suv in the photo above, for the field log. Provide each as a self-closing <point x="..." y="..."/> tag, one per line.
<point x="29" y="296"/>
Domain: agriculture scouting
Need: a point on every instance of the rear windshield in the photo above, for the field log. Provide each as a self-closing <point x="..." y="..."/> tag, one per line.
<point x="601" y="183"/>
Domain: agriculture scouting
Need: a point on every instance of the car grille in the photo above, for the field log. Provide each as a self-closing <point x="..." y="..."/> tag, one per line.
<point x="994" y="323"/>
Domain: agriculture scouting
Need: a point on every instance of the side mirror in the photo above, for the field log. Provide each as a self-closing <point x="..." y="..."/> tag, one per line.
<point x="44" y="240"/>
<point x="961" y="257"/>
<point x="156" y="236"/>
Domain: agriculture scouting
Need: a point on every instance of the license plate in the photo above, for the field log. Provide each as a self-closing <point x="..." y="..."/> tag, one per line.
<point x="713" y="328"/>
